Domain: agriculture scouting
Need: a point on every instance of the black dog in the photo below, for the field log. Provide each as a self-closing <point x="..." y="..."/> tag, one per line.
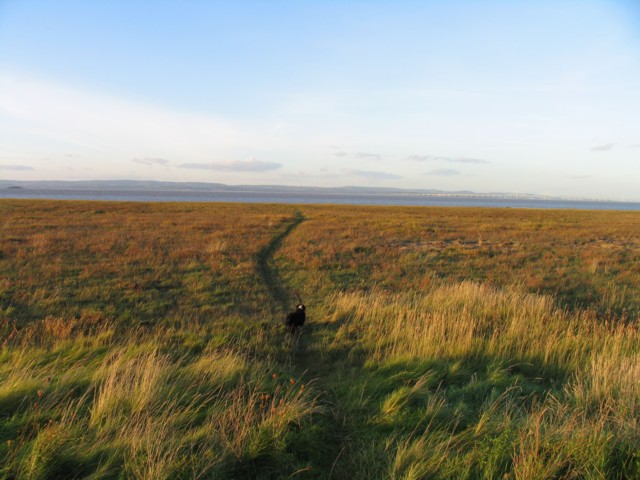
<point x="295" y="319"/>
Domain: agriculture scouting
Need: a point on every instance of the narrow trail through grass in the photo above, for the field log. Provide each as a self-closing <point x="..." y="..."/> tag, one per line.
<point x="269" y="274"/>
<point x="307" y="353"/>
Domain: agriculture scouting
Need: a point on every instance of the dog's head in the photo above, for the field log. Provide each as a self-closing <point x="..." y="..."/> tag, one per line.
<point x="300" y="307"/>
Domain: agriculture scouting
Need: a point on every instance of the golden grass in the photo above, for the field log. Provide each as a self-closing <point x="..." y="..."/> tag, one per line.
<point x="595" y="366"/>
<point x="582" y="258"/>
<point x="472" y="319"/>
<point x="132" y="262"/>
<point x="157" y="415"/>
<point x="145" y="341"/>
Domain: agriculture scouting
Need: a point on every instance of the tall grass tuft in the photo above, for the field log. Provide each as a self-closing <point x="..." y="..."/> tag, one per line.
<point x="151" y="415"/>
<point x="558" y="385"/>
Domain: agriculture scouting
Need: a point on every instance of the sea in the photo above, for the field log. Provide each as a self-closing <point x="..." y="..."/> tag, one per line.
<point x="249" y="196"/>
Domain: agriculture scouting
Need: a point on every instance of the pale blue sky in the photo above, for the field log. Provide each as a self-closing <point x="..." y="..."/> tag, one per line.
<point x="520" y="96"/>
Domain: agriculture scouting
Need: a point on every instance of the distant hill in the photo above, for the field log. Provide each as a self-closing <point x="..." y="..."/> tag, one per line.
<point x="144" y="185"/>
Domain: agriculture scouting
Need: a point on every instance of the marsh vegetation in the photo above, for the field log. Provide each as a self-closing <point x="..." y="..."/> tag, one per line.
<point x="146" y="341"/>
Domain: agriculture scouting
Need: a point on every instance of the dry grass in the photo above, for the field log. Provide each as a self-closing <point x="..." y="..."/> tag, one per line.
<point x="132" y="262"/>
<point x="144" y="341"/>
<point x="571" y="379"/>
<point x="151" y="415"/>
<point x="582" y="258"/>
<point x="471" y="319"/>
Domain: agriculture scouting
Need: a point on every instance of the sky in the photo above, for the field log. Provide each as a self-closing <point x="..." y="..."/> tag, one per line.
<point x="490" y="96"/>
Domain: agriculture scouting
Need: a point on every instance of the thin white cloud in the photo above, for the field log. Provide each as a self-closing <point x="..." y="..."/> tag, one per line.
<point x="152" y="161"/>
<point x="579" y="177"/>
<point x="468" y="160"/>
<point x="340" y="154"/>
<point x="602" y="148"/>
<point x="110" y="124"/>
<point x="250" y="165"/>
<point x="444" y="172"/>
<point x="303" y="175"/>
<point x="16" y="168"/>
<point x="435" y="158"/>
<point x="373" y="175"/>
<point x="369" y="156"/>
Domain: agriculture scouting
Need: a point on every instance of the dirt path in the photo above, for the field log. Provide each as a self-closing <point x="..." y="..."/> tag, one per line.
<point x="307" y="354"/>
<point x="269" y="273"/>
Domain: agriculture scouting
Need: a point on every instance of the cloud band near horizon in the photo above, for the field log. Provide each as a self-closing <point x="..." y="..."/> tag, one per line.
<point x="436" y="158"/>
<point x="234" y="166"/>
<point x="16" y="168"/>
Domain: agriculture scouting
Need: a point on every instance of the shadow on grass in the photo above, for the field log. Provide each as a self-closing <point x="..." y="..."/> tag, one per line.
<point x="443" y="399"/>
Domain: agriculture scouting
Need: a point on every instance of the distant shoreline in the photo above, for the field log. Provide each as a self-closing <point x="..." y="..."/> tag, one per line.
<point x="364" y="198"/>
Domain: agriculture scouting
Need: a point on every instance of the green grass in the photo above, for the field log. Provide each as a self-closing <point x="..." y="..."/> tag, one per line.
<point x="146" y="341"/>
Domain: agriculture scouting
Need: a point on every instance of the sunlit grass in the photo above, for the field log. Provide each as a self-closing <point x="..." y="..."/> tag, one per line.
<point x="148" y="414"/>
<point x="481" y="365"/>
<point x="145" y="341"/>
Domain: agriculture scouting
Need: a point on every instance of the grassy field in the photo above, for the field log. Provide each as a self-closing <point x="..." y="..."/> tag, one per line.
<point x="146" y="341"/>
